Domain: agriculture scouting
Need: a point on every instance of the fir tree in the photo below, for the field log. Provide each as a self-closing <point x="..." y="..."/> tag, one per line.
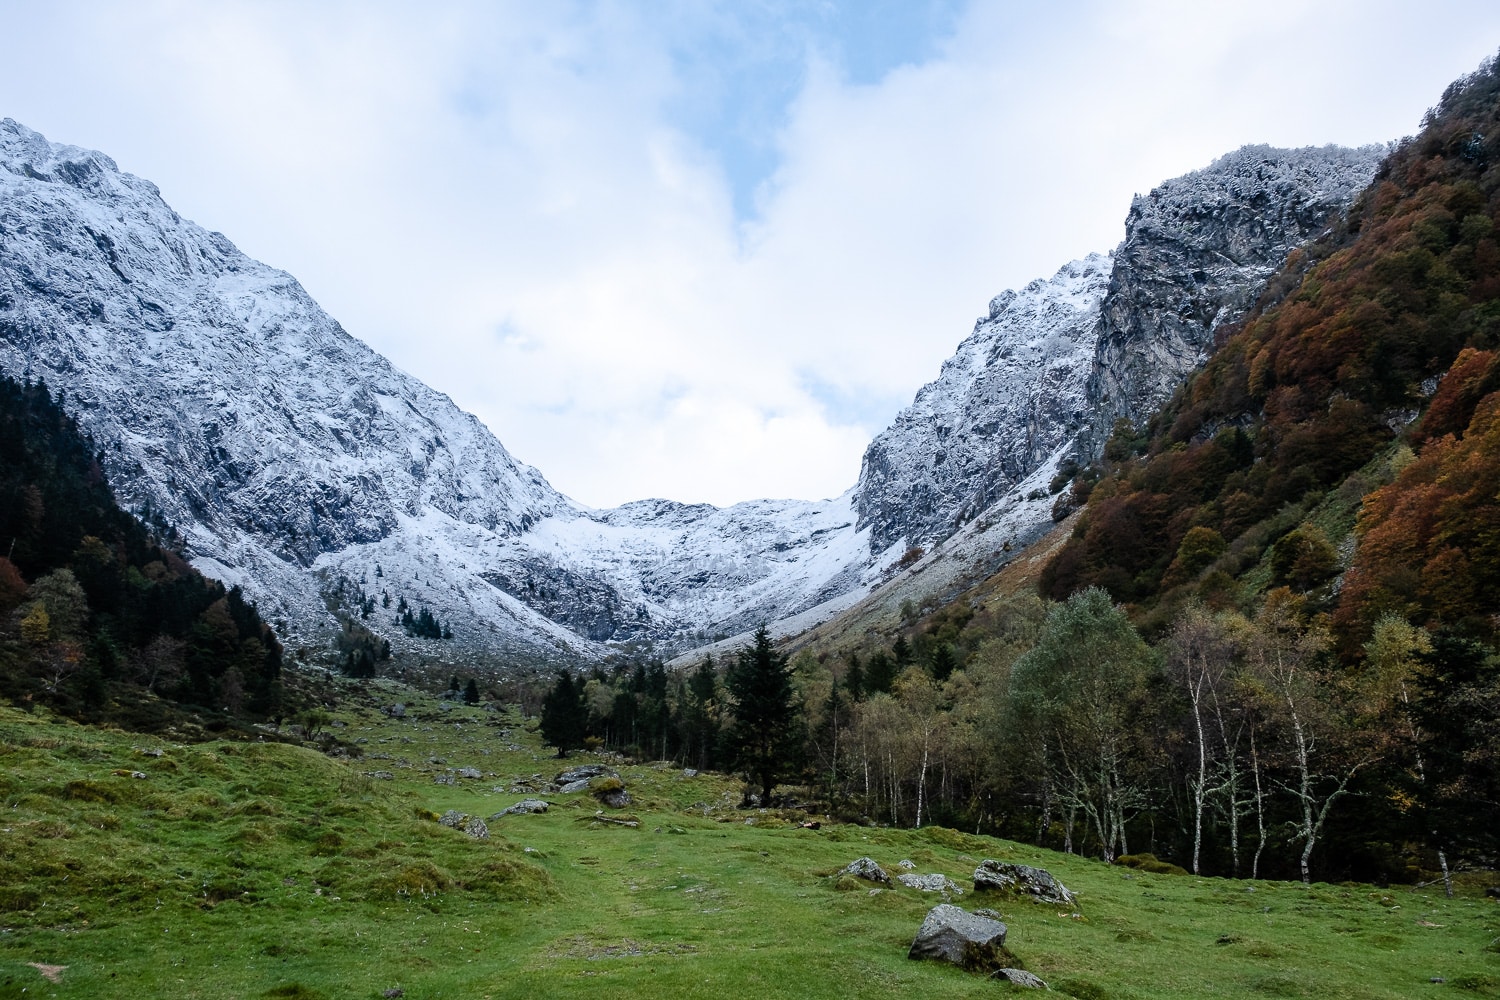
<point x="564" y="716"/>
<point x="854" y="678"/>
<point x="763" y="740"/>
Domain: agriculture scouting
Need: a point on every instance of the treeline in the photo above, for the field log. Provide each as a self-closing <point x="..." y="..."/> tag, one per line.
<point x="1235" y="745"/>
<point x="91" y="603"/>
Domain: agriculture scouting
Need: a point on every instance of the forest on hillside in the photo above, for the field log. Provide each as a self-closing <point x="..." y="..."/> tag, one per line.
<point x="99" y="618"/>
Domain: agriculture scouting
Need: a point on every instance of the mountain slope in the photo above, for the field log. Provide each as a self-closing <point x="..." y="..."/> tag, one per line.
<point x="301" y="465"/>
<point x="297" y="462"/>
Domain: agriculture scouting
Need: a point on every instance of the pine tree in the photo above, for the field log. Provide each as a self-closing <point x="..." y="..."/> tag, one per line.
<point x="700" y="715"/>
<point x="471" y="692"/>
<point x="564" y="716"/>
<point x="881" y="673"/>
<point x="854" y="678"/>
<point x="763" y="740"/>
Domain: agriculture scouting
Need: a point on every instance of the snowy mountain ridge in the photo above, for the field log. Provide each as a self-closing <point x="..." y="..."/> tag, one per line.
<point x="303" y="466"/>
<point x="292" y="457"/>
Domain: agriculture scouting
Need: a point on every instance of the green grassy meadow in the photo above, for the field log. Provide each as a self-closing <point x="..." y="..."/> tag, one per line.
<point x="249" y="870"/>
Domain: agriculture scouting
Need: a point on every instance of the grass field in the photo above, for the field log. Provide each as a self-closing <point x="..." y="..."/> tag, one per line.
<point x="251" y="870"/>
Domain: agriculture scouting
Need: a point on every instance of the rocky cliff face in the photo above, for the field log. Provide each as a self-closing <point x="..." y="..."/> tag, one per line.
<point x="1197" y="252"/>
<point x="1107" y="337"/>
<point x="1010" y="395"/>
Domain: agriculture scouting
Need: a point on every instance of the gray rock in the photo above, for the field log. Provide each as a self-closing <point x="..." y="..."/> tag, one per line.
<point x="867" y="869"/>
<point x="1038" y="883"/>
<point x="1198" y="250"/>
<point x="476" y="828"/>
<point x="617" y="799"/>
<point x="907" y="865"/>
<point x="585" y="773"/>
<point x="382" y="775"/>
<point x="690" y="772"/>
<point x="523" y="807"/>
<point x="470" y="772"/>
<point x="396" y="711"/>
<point x="581" y="785"/>
<point x="1020" y="977"/>
<point x="444" y="779"/>
<point x="930" y="883"/>
<point x="453" y="818"/>
<point x="950" y="934"/>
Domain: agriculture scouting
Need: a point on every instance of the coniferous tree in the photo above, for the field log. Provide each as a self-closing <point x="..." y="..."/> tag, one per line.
<point x="854" y="678"/>
<point x="762" y="742"/>
<point x="700" y="716"/>
<point x="880" y="674"/>
<point x="564" y="720"/>
<point x="471" y="692"/>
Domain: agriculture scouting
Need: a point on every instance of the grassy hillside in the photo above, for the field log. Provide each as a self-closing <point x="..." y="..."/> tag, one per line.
<point x="267" y="870"/>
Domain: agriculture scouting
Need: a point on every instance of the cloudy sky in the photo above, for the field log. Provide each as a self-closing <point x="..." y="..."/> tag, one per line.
<point x="692" y="249"/>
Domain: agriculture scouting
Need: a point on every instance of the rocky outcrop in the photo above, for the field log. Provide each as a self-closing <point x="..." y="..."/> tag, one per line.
<point x="1010" y="395"/>
<point x="1197" y="252"/>
<point x="1022" y="880"/>
<point x="1057" y="363"/>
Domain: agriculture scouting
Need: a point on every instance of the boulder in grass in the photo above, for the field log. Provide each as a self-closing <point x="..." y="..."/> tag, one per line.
<point x="930" y="883"/>
<point x="585" y="773"/>
<point x="476" y="828"/>
<point x="867" y="869"/>
<point x="951" y="934"/>
<point x="1038" y="883"/>
<point x="523" y="807"/>
<point x="1020" y="977"/>
<point x="453" y="818"/>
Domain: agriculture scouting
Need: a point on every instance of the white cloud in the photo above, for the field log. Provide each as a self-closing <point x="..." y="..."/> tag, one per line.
<point x="498" y="197"/>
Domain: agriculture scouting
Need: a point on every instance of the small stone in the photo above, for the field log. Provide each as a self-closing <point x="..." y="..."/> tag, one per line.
<point x="470" y="772"/>
<point x="907" y="865"/>
<point x="689" y="772"/>
<point x="523" y="807"/>
<point x="453" y="818"/>
<point x="393" y="993"/>
<point x="867" y="869"/>
<point x="1020" y="977"/>
<point x="476" y="828"/>
<point x="930" y="883"/>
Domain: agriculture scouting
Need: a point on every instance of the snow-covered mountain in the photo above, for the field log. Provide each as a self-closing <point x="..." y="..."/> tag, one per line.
<point x="1052" y="367"/>
<point x="1012" y="393"/>
<point x="300" y="464"/>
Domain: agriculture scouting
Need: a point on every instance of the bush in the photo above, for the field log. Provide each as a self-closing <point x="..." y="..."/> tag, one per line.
<point x="1149" y="863"/>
